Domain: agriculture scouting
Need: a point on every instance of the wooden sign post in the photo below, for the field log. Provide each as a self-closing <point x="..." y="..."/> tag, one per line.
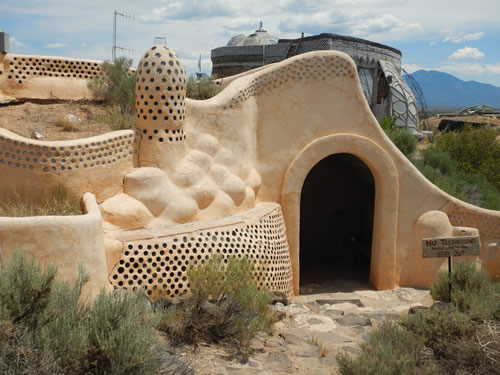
<point x="450" y="247"/>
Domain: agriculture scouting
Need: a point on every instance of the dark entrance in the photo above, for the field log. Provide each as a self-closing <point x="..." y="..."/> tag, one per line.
<point x="336" y="225"/>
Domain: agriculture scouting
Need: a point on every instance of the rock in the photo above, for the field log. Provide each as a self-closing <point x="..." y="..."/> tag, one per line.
<point x="343" y="306"/>
<point x="353" y="320"/>
<point x="290" y="338"/>
<point x="72" y="119"/>
<point x="315" y="322"/>
<point x="278" y="297"/>
<point x="36" y="135"/>
<point x="415" y="309"/>
<point x="356" y="302"/>
<point x="170" y="364"/>
<point x="277" y="361"/>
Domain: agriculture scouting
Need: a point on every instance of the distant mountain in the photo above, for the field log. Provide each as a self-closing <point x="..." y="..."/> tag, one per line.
<point x="444" y="90"/>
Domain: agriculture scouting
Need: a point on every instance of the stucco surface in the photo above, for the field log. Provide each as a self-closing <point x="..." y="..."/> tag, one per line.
<point x="252" y="144"/>
<point x="64" y="241"/>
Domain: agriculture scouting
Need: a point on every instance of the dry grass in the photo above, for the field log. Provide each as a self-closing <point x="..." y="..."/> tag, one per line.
<point x="58" y="202"/>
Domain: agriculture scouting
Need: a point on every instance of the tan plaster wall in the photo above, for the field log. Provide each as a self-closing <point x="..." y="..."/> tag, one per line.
<point x="306" y="101"/>
<point x="95" y="164"/>
<point x="45" y="77"/>
<point x="64" y="241"/>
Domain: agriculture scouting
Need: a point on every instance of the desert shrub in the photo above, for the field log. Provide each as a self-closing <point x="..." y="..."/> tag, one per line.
<point x="390" y="350"/>
<point x="58" y="202"/>
<point x="472" y="292"/>
<point x="477" y="354"/>
<point x="203" y="88"/>
<point x="117" y="119"/>
<point x="46" y="329"/>
<point x="475" y="150"/>
<point x="403" y="139"/>
<point x="116" y="86"/>
<point x="225" y="306"/>
<point x="442" y="170"/>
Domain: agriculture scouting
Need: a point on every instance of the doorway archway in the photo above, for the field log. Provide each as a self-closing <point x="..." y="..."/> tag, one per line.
<point x="385" y="175"/>
<point x="336" y="225"/>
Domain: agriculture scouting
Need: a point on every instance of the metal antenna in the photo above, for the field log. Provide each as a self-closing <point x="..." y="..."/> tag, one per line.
<point x="115" y="46"/>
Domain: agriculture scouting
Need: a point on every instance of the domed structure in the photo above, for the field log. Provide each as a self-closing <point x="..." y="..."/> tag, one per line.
<point x="259" y="38"/>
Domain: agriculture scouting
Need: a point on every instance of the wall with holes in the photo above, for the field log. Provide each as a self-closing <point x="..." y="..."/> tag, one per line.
<point x="43" y="77"/>
<point x="159" y="264"/>
<point x="95" y="164"/>
<point x="224" y="175"/>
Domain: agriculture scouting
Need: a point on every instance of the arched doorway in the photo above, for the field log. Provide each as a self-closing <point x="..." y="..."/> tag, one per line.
<point x="336" y="225"/>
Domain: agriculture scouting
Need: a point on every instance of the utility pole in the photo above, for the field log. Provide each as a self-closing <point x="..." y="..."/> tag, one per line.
<point x="115" y="46"/>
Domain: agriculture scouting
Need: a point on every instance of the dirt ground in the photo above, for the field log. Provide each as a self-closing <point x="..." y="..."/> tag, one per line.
<point x="47" y="119"/>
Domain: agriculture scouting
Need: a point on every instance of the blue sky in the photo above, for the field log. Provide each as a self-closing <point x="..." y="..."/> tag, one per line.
<point x="454" y="36"/>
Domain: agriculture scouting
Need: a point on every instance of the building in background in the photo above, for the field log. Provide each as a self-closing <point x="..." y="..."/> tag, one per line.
<point x="379" y="67"/>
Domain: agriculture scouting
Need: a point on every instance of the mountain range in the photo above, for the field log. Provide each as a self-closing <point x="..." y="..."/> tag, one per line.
<point x="445" y="90"/>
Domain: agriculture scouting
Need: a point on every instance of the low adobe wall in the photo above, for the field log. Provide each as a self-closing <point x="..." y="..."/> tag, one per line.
<point x="64" y="241"/>
<point x="45" y="77"/>
<point x="158" y="260"/>
<point x="95" y="164"/>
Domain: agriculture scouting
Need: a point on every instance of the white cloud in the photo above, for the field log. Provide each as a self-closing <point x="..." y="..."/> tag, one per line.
<point x="84" y="45"/>
<point x="462" y="37"/>
<point x="411" y="68"/>
<point x="56" y="45"/>
<point x="493" y="68"/>
<point x="432" y="43"/>
<point x="466" y="53"/>
<point x="14" y="42"/>
<point x="463" y="68"/>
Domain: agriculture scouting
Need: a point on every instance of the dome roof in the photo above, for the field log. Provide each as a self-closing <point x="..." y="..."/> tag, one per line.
<point x="258" y="38"/>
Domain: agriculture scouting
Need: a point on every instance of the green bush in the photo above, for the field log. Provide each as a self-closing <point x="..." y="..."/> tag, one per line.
<point x="116" y="86"/>
<point x="461" y="338"/>
<point x="225" y="306"/>
<point x="472" y="292"/>
<point x="475" y="150"/>
<point x="45" y="329"/>
<point x="442" y="170"/>
<point x="403" y="139"/>
<point x="390" y="350"/>
<point x="203" y="88"/>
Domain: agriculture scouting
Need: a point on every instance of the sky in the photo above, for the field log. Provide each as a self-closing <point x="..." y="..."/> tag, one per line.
<point x="455" y="36"/>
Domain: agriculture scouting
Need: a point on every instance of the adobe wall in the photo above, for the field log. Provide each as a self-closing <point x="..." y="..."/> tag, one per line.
<point x="63" y="241"/>
<point x="45" y="77"/>
<point x="312" y="105"/>
<point x="237" y="162"/>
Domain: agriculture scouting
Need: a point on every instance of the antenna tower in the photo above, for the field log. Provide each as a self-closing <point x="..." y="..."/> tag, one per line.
<point x="115" y="46"/>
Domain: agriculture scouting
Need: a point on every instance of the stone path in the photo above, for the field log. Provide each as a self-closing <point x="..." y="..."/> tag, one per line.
<point x="314" y="328"/>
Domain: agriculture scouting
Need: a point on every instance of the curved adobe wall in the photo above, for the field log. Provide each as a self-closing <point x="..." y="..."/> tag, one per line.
<point x="64" y="241"/>
<point x="308" y="98"/>
<point x="45" y="77"/>
<point x="158" y="260"/>
<point x="95" y="164"/>
<point x="383" y="257"/>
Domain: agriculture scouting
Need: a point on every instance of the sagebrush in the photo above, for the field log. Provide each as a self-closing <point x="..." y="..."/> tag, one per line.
<point x="45" y="328"/>
<point x="116" y="86"/>
<point x="458" y="338"/>
<point x="225" y="306"/>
